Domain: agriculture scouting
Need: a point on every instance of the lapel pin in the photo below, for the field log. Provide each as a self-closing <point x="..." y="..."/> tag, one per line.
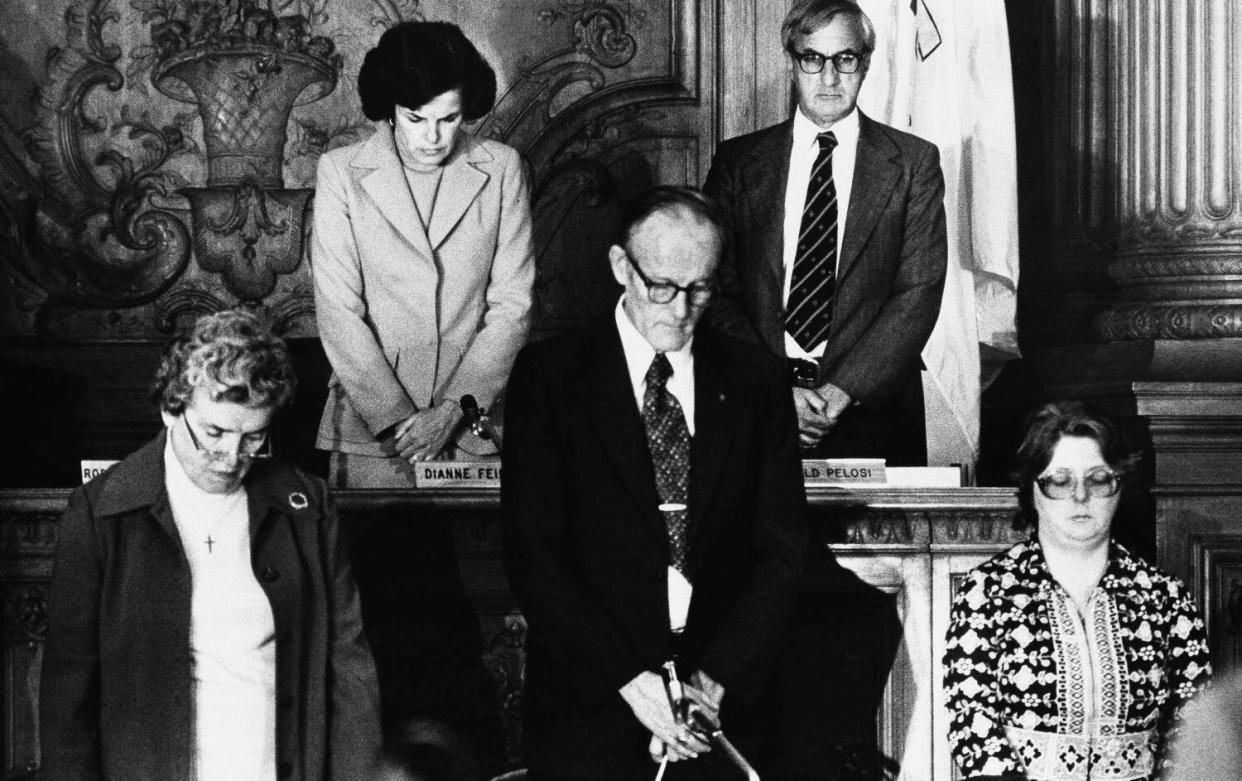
<point x="298" y="500"/>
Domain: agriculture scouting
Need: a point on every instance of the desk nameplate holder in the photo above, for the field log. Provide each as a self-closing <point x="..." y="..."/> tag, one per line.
<point x="457" y="474"/>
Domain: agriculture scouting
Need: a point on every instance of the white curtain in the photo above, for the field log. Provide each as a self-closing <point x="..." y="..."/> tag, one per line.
<point x="941" y="70"/>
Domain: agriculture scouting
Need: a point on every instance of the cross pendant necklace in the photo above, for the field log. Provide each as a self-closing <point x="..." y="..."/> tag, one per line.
<point x="210" y="542"/>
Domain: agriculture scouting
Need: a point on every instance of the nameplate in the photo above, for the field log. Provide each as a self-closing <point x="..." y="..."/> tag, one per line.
<point x="457" y="474"/>
<point x="843" y="471"/>
<point x="93" y="469"/>
<point x="925" y="477"/>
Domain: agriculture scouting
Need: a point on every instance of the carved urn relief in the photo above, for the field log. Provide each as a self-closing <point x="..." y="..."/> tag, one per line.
<point x="245" y="71"/>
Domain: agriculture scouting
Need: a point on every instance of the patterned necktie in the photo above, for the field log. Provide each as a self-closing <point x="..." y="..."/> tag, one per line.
<point x="808" y="315"/>
<point x="668" y="439"/>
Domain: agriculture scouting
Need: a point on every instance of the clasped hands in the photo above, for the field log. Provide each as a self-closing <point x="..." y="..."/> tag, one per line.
<point x="818" y="410"/>
<point x="649" y="699"/>
<point x="423" y="435"/>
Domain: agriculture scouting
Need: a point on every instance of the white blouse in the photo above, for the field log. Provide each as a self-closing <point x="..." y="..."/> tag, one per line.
<point x="232" y="633"/>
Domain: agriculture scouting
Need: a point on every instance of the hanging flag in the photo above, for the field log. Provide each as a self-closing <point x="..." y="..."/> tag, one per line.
<point x="941" y="71"/>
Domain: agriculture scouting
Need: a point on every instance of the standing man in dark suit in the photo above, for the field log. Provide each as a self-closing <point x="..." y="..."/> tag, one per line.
<point x="653" y="509"/>
<point x="840" y="257"/>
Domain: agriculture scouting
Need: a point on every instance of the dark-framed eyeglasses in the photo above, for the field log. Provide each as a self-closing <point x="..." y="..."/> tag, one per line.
<point x="812" y="62"/>
<point x="1063" y="484"/>
<point x="662" y="291"/>
<point x="253" y="447"/>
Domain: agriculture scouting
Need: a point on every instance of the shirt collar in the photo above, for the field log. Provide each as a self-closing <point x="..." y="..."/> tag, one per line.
<point x="639" y="352"/>
<point x="805" y="131"/>
<point x="1120" y="563"/>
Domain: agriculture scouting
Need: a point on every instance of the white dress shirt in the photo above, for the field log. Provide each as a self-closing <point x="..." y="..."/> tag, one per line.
<point x="801" y="161"/>
<point x="638" y="356"/>
<point x="232" y="633"/>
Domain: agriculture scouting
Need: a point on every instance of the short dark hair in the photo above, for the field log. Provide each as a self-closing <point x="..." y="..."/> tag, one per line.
<point x="416" y="61"/>
<point x="1047" y="426"/>
<point x="234" y="354"/>
<point x="671" y="198"/>
<point x="807" y="16"/>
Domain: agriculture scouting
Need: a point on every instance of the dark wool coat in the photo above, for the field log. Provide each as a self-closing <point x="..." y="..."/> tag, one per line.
<point x="118" y="693"/>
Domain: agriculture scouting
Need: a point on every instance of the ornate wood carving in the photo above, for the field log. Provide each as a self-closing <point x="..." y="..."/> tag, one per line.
<point x="504" y="657"/>
<point x="888" y="546"/>
<point x="991" y="527"/>
<point x="248" y="234"/>
<point x="882" y="527"/>
<point x="130" y="190"/>
<point x="1153" y="174"/>
<point x="1217" y="562"/>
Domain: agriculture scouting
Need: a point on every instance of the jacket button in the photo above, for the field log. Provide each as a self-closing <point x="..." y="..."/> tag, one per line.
<point x="269" y="574"/>
<point x="284" y="769"/>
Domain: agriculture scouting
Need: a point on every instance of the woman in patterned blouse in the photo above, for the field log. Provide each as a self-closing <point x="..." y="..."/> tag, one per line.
<point x="1068" y="657"/>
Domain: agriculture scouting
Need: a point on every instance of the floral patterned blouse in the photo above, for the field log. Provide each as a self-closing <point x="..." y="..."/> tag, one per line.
<point x="1036" y="690"/>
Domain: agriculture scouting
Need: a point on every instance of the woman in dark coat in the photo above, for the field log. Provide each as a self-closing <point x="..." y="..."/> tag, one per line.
<point x="203" y="620"/>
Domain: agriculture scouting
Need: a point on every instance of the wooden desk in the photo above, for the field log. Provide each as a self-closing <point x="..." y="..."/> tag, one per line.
<point x="908" y="545"/>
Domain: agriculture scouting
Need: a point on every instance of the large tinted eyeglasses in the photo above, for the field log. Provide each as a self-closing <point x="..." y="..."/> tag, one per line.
<point x="812" y="62"/>
<point x="1062" y="484"/>
<point x="663" y="291"/>
<point x="254" y="447"/>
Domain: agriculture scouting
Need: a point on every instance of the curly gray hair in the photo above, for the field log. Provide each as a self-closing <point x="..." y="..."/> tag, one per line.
<point x="234" y="354"/>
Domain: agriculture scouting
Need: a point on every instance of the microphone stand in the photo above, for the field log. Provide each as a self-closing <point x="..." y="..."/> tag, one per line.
<point x="709" y="729"/>
<point x="689" y="713"/>
<point x="478" y="422"/>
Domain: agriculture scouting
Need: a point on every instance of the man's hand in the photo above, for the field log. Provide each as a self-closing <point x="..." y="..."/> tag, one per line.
<point x="704" y="690"/>
<point x="813" y="423"/>
<point x="836" y="401"/>
<point x="424" y="434"/>
<point x="648" y="698"/>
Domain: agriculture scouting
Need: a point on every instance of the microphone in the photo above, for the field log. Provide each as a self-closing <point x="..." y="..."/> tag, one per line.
<point x="479" y="422"/>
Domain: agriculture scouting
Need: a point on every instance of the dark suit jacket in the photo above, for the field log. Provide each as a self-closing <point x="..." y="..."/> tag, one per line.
<point x="118" y="689"/>
<point x="890" y="274"/>
<point x="586" y="548"/>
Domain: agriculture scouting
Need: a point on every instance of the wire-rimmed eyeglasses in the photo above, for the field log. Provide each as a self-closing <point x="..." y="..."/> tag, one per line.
<point x="1063" y="484"/>
<point x="662" y="291"/>
<point x="812" y="62"/>
<point x="253" y="447"/>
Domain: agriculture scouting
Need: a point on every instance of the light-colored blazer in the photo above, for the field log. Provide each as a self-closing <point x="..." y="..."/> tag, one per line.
<point x="410" y="317"/>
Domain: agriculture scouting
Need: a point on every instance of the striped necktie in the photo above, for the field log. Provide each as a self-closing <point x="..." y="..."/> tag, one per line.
<point x="808" y="313"/>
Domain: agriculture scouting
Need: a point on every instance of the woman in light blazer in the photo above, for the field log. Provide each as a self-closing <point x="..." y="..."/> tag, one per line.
<point x="421" y="258"/>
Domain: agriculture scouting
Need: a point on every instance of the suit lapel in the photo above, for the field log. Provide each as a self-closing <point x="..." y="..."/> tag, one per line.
<point x="710" y="446"/>
<point x="614" y="418"/>
<point x="461" y="184"/>
<point x="875" y="176"/>
<point x="386" y="185"/>
<point x="765" y="175"/>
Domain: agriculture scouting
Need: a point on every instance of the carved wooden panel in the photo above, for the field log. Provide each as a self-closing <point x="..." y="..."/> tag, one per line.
<point x="27" y="543"/>
<point x="165" y="167"/>
<point x="1199" y="539"/>
<point x="1218" y="561"/>
<point x="25" y="626"/>
<point x="871" y="622"/>
<point x="900" y="657"/>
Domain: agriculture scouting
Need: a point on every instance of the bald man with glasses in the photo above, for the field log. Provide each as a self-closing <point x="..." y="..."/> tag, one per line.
<point x="653" y="512"/>
<point x="840" y="253"/>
